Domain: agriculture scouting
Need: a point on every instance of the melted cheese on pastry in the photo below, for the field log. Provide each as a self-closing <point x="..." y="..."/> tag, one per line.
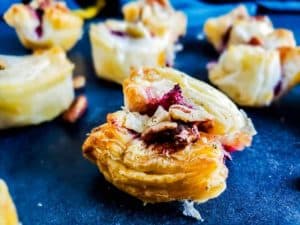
<point x="44" y="24"/>
<point x="35" y="88"/>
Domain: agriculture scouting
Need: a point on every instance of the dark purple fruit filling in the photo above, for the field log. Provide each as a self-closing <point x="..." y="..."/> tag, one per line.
<point x="174" y="96"/>
<point x="169" y="64"/>
<point x="39" y="29"/>
<point x="38" y="13"/>
<point x="173" y="140"/>
<point x="278" y="88"/>
<point x="169" y="139"/>
<point x="118" y="33"/>
<point x="225" y="38"/>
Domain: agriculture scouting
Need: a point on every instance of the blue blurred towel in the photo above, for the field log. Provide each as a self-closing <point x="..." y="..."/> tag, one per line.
<point x="199" y="8"/>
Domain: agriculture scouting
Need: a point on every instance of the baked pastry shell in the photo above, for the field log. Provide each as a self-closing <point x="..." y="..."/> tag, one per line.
<point x="32" y="101"/>
<point x="196" y="173"/>
<point x="61" y="27"/>
<point x="113" y="61"/>
<point x="8" y="213"/>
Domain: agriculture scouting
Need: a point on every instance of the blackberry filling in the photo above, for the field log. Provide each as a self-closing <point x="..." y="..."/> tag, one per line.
<point x="278" y="88"/>
<point x="39" y="14"/>
<point x="39" y="29"/>
<point x="174" y="96"/>
<point x="168" y="63"/>
<point x="176" y="133"/>
<point x="225" y="38"/>
<point x="172" y="140"/>
<point x="118" y="33"/>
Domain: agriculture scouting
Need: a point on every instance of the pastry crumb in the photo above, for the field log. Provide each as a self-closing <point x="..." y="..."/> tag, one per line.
<point x="76" y="110"/>
<point x="79" y="82"/>
<point x="190" y="210"/>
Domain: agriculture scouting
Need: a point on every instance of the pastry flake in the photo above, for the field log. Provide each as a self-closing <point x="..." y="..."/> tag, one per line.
<point x="254" y="76"/>
<point x="8" y="212"/>
<point x="118" y="46"/>
<point x="158" y="16"/>
<point x="34" y="88"/>
<point x="44" y="24"/>
<point x="217" y="29"/>
<point x="168" y="142"/>
<point x="238" y="27"/>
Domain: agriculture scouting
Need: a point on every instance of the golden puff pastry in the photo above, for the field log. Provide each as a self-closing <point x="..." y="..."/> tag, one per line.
<point x="158" y="16"/>
<point x="8" y="213"/>
<point x="44" y="24"/>
<point x="118" y="46"/>
<point x="169" y="141"/>
<point x="35" y="88"/>
<point x="237" y="27"/>
<point x="254" y="76"/>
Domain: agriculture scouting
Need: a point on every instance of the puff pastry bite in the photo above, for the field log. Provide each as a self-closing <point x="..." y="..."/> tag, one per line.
<point x="8" y="213"/>
<point x="118" y="46"/>
<point x="237" y="27"/>
<point x="158" y="16"/>
<point x="34" y="88"/>
<point x="45" y="23"/>
<point x="254" y="76"/>
<point x="169" y="141"/>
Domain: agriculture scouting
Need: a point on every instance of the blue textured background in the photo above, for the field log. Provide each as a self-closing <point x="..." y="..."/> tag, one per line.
<point x="43" y="164"/>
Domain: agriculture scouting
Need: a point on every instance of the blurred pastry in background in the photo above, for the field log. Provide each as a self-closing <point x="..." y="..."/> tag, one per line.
<point x="158" y="16"/>
<point x="34" y="88"/>
<point x="170" y="140"/>
<point x="44" y="24"/>
<point x="237" y="27"/>
<point x="8" y="212"/>
<point x="255" y="76"/>
<point x="118" y="46"/>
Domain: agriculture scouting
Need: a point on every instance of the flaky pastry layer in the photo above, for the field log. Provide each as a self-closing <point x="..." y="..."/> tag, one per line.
<point x="34" y="88"/>
<point x="169" y="141"/>
<point x="158" y="16"/>
<point x="118" y="46"/>
<point x="254" y="76"/>
<point x="238" y="27"/>
<point x="8" y="213"/>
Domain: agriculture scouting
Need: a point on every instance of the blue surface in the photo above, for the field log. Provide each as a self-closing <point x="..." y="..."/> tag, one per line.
<point x="43" y="164"/>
